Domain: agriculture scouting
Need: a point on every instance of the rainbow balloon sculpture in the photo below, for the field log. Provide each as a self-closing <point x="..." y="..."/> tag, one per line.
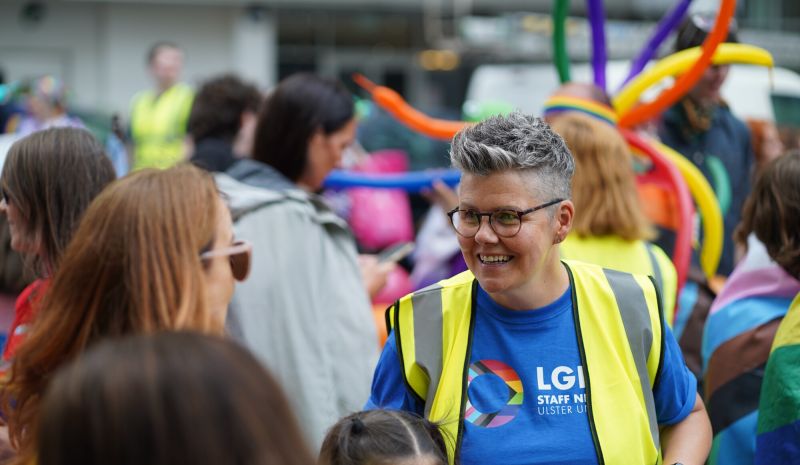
<point x="678" y="63"/>
<point x="687" y="66"/>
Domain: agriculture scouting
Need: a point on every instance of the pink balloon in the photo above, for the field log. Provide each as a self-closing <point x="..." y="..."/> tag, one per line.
<point x="397" y="286"/>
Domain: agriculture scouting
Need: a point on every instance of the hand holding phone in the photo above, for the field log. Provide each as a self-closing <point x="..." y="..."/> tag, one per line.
<point x="396" y="252"/>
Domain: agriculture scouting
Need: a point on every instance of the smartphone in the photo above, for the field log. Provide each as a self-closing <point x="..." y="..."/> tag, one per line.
<point x="396" y="252"/>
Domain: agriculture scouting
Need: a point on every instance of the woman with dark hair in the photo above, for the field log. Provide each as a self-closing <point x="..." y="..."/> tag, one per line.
<point x="154" y="251"/>
<point x="305" y="128"/>
<point x="170" y="398"/>
<point x="746" y="314"/>
<point x="306" y="312"/>
<point x="49" y="179"/>
<point x="384" y="437"/>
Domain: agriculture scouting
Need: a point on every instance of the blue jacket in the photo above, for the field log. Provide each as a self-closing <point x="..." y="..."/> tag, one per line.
<point x="726" y="142"/>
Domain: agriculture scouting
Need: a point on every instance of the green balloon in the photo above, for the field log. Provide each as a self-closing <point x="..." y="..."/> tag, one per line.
<point x="560" y="55"/>
<point x="478" y="111"/>
<point x="721" y="182"/>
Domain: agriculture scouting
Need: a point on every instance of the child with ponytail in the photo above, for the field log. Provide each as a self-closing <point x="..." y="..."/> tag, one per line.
<point x="384" y="437"/>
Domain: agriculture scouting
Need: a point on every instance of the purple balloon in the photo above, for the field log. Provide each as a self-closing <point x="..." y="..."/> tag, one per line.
<point x="597" y="21"/>
<point x="664" y="27"/>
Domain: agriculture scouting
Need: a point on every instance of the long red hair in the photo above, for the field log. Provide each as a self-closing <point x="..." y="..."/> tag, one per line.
<point x="133" y="266"/>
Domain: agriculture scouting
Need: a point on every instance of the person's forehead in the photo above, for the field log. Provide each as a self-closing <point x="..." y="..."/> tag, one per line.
<point x="514" y="175"/>
<point x="168" y="53"/>
<point x="508" y="188"/>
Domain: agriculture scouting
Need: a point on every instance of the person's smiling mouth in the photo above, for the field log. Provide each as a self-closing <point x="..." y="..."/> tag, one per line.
<point x="495" y="259"/>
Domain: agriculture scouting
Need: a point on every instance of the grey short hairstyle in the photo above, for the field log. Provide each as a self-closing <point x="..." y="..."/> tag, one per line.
<point x="516" y="142"/>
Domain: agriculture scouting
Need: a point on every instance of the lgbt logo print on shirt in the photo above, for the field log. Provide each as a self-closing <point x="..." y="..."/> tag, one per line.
<point x="513" y="402"/>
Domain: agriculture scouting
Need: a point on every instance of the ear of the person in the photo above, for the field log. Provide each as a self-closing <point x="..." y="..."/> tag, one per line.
<point x="247" y="118"/>
<point x="563" y="220"/>
<point x="317" y="139"/>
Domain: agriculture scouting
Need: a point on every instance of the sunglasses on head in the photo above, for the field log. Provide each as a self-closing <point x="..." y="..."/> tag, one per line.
<point x="238" y="255"/>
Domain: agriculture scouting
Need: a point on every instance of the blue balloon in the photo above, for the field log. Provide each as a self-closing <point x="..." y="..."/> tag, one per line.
<point x="410" y="182"/>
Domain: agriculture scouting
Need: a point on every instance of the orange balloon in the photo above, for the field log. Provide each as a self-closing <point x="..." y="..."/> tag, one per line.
<point x="394" y="103"/>
<point x="684" y="83"/>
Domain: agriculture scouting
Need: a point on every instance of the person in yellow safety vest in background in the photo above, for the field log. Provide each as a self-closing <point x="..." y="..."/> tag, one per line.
<point x="527" y="359"/>
<point x="610" y="229"/>
<point x="159" y="116"/>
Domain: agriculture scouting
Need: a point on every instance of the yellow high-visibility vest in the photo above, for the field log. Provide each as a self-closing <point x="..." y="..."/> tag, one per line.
<point x="638" y="257"/>
<point x="158" y="126"/>
<point x="618" y="323"/>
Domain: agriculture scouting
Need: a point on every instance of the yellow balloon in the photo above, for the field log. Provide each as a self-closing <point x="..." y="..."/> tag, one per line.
<point x="707" y="205"/>
<point x="678" y="63"/>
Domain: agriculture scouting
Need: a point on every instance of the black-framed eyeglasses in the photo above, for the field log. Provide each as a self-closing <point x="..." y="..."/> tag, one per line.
<point x="505" y="223"/>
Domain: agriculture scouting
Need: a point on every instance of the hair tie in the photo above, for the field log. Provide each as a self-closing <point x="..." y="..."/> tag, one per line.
<point x="357" y="426"/>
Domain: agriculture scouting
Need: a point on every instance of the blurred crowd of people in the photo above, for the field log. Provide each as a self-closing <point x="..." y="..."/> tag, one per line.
<point x="187" y="291"/>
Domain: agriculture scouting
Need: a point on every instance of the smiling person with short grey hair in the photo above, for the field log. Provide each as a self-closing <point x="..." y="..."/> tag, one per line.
<point x="528" y="357"/>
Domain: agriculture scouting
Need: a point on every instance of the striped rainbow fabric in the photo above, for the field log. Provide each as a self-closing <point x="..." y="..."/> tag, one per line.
<point x="779" y="409"/>
<point x="736" y="344"/>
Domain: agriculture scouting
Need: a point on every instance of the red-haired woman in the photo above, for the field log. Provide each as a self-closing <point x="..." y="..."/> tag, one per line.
<point x="155" y="251"/>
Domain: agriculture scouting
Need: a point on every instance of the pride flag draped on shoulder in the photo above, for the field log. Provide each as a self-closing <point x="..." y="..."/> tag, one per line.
<point x="778" y="438"/>
<point x="738" y="336"/>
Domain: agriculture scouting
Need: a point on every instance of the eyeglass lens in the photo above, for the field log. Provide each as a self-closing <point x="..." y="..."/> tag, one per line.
<point x="240" y="265"/>
<point x="504" y="222"/>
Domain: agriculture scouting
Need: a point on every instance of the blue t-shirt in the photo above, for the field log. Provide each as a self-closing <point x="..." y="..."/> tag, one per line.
<point x="526" y="391"/>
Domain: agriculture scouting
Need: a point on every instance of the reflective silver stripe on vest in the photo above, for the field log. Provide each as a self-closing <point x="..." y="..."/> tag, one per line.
<point x="428" y="336"/>
<point x="636" y="319"/>
<point x="656" y="268"/>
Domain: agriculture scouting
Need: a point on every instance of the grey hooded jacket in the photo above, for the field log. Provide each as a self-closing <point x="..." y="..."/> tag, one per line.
<point x="304" y="310"/>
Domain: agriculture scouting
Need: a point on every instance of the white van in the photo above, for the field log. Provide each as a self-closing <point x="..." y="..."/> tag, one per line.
<point x="751" y="91"/>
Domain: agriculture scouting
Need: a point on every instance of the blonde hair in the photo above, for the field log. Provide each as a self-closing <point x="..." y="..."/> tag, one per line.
<point x="132" y="267"/>
<point x="604" y="186"/>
